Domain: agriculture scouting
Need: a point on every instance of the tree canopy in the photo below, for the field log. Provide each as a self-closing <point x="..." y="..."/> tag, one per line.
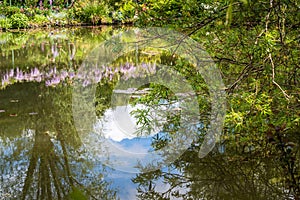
<point x="255" y="44"/>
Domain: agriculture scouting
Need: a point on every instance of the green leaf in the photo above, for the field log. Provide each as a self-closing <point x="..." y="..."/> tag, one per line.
<point x="77" y="194"/>
<point x="229" y="15"/>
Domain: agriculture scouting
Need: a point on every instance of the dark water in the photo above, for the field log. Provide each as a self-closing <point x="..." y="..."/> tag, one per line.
<point x="51" y="150"/>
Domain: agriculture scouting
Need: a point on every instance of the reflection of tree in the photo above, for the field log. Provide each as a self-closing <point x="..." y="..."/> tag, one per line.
<point x="38" y="48"/>
<point x="217" y="176"/>
<point x="265" y="171"/>
<point x="50" y="175"/>
<point x="56" y="166"/>
<point x="47" y="166"/>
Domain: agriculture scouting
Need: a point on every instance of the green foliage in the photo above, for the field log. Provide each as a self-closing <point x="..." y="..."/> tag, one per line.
<point x="5" y="23"/>
<point x="40" y="20"/>
<point x="88" y="12"/>
<point x="29" y="12"/>
<point x="77" y="194"/>
<point x="19" y="20"/>
<point x="172" y="13"/>
<point x="83" y="11"/>
<point x="128" y="10"/>
<point x="9" y="10"/>
<point x="255" y="44"/>
<point x="39" y="11"/>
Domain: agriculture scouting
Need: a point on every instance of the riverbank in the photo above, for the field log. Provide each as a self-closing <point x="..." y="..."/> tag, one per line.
<point x="13" y="17"/>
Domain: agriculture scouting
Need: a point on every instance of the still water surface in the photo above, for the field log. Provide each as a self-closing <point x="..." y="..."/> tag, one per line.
<point x="44" y="155"/>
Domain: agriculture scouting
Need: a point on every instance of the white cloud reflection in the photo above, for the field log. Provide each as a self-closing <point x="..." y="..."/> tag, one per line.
<point x="114" y="141"/>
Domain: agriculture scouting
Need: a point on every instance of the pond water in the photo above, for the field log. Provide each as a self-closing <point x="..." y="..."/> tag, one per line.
<point x="68" y="131"/>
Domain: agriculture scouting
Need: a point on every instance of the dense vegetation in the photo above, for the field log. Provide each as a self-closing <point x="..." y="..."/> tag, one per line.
<point x="31" y="14"/>
<point x="256" y="46"/>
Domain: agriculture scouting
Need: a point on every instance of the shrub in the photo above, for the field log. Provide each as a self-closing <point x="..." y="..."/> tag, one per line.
<point x="44" y="11"/>
<point x="5" y="23"/>
<point x="9" y="10"/>
<point x="40" y="20"/>
<point x="19" y="20"/>
<point x="29" y="12"/>
<point x="128" y="10"/>
<point x="90" y="13"/>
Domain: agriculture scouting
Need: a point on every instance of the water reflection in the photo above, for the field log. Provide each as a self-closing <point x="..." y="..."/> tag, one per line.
<point x="41" y="154"/>
<point x="43" y="157"/>
<point x="45" y="160"/>
<point x="53" y="76"/>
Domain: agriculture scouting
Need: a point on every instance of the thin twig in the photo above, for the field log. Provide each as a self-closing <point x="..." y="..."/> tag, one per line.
<point x="246" y="69"/>
<point x="273" y="78"/>
<point x="267" y="22"/>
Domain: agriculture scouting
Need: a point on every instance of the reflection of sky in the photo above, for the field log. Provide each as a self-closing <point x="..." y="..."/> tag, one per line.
<point x="118" y="124"/>
<point x="127" y="150"/>
<point x="112" y="125"/>
<point x="14" y="177"/>
<point x="116" y="144"/>
<point x="124" y="155"/>
<point x="127" y="190"/>
<point x="121" y="181"/>
<point x="14" y="165"/>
